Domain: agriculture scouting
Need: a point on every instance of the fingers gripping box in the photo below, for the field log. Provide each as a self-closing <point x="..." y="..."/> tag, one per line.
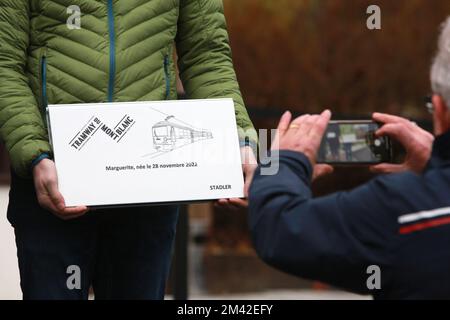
<point x="138" y="153"/>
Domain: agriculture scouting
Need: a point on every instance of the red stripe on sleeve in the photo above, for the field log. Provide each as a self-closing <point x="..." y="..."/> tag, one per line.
<point x="424" y="225"/>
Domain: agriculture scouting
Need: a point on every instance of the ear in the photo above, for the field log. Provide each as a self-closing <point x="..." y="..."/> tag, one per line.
<point x="441" y="116"/>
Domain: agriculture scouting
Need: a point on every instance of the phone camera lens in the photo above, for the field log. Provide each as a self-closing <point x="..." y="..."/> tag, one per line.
<point x="377" y="143"/>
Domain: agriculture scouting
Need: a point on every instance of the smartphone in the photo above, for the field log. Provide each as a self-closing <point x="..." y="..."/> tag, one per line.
<point x="354" y="142"/>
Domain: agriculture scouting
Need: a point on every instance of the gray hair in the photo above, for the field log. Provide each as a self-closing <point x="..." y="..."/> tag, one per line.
<point x="440" y="70"/>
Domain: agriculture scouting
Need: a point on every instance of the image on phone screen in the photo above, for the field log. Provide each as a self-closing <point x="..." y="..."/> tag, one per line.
<point x="353" y="142"/>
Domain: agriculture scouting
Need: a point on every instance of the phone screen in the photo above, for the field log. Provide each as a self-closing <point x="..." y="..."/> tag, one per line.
<point x="348" y="142"/>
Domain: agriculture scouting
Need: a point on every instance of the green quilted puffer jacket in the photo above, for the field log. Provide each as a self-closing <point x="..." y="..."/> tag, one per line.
<point x="123" y="51"/>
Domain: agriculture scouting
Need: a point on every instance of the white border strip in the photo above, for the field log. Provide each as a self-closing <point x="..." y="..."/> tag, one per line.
<point x="423" y="215"/>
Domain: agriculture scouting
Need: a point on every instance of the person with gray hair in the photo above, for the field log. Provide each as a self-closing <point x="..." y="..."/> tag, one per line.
<point x="387" y="238"/>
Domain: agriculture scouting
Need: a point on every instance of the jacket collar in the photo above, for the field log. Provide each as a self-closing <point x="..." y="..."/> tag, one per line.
<point x="441" y="151"/>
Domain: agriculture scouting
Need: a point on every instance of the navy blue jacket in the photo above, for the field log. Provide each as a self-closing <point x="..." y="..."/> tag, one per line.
<point x="399" y="222"/>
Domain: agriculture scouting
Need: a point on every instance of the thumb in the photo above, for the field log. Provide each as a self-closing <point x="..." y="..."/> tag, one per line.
<point x="55" y="196"/>
<point x="249" y="173"/>
<point x="321" y="170"/>
<point x="283" y="126"/>
<point x="387" y="168"/>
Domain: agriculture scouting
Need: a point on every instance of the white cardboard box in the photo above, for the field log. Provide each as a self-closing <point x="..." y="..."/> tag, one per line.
<point x="138" y="153"/>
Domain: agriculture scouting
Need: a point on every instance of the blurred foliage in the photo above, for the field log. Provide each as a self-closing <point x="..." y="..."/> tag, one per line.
<point x="305" y="55"/>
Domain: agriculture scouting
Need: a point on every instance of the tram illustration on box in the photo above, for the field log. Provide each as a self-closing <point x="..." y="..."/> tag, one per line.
<point x="171" y="134"/>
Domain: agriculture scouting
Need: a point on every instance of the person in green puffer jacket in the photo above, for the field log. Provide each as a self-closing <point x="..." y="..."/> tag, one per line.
<point x="89" y="51"/>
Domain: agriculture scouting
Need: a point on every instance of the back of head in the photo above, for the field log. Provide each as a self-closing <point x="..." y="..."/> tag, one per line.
<point x="440" y="70"/>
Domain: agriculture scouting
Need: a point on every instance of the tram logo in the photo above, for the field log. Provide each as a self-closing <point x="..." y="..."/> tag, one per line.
<point x="94" y="125"/>
<point x="171" y="134"/>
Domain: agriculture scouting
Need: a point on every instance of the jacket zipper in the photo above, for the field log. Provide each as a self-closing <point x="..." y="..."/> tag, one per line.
<point x="166" y="74"/>
<point x="112" y="52"/>
<point x="44" y="82"/>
